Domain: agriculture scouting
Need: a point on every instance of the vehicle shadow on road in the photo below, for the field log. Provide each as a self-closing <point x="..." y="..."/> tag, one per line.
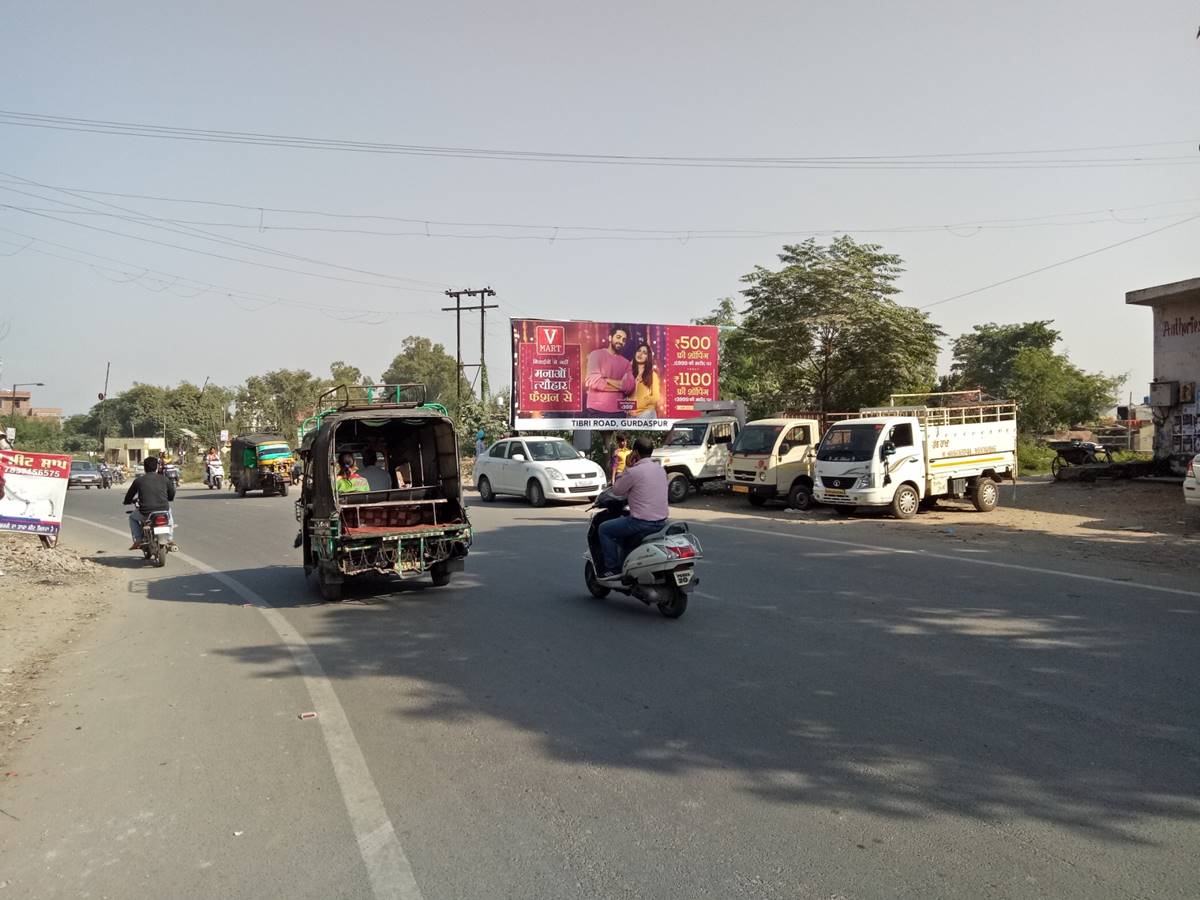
<point x="816" y="676"/>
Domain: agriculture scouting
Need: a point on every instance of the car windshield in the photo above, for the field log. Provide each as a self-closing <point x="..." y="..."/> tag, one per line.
<point x="686" y="435"/>
<point x="849" y="443"/>
<point x="757" y="439"/>
<point x="82" y="466"/>
<point x="547" y="451"/>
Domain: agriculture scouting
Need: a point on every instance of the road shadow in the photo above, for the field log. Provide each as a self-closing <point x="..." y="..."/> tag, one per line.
<point x="817" y="676"/>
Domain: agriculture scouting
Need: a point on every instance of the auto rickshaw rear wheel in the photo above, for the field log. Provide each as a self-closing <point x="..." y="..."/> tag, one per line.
<point x="441" y="575"/>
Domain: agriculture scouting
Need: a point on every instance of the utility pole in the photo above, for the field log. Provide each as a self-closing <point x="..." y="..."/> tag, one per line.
<point x="458" y="309"/>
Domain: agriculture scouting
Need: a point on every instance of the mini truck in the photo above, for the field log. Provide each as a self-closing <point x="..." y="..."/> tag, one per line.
<point x="772" y="459"/>
<point x="905" y="457"/>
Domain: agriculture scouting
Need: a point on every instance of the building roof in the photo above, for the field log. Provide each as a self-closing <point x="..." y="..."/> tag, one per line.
<point x="1165" y="293"/>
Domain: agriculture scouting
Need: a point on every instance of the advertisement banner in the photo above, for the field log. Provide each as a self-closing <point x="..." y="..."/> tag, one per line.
<point x="35" y="490"/>
<point x="624" y="376"/>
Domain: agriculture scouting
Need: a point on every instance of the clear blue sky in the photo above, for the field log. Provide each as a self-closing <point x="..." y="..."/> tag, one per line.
<point x="671" y="78"/>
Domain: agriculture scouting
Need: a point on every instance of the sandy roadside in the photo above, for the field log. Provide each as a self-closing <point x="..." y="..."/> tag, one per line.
<point x="47" y="599"/>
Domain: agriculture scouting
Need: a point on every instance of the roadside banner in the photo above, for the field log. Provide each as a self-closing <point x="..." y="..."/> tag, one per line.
<point x="35" y="491"/>
<point x="570" y="375"/>
<point x="224" y="436"/>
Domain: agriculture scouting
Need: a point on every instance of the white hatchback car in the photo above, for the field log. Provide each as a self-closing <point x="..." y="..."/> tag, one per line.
<point x="1191" y="482"/>
<point x="538" y="469"/>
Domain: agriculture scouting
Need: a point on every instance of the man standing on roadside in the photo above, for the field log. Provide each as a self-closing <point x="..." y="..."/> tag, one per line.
<point x="609" y="378"/>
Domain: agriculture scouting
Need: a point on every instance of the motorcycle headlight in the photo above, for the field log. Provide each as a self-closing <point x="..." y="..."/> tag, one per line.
<point x="553" y="474"/>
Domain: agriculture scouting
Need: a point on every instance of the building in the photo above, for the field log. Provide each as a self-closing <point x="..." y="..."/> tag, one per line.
<point x="1176" y="309"/>
<point x="131" y="451"/>
<point x="21" y="403"/>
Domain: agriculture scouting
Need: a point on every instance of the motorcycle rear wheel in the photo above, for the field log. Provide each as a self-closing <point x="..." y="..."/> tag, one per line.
<point x="160" y="559"/>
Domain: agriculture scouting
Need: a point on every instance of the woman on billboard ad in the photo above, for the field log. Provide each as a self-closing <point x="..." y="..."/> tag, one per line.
<point x="647" y="392"/>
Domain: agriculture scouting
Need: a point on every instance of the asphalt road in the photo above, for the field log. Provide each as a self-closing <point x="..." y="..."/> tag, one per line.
<point x="829" y="720"/>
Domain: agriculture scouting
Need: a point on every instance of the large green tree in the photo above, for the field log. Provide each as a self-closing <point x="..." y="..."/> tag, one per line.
<point x="421" y="360"/>
<point x="824" y="333"/>
<point x="279" y="401"/>
<point x="985" y="356"/>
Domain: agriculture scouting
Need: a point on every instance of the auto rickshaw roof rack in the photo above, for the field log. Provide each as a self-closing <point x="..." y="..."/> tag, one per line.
<point x="368" y="396"/>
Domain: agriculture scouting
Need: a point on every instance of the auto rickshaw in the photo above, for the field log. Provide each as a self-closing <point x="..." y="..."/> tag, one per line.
<point x="260" y="462"/>
<point x="416" y="525"/>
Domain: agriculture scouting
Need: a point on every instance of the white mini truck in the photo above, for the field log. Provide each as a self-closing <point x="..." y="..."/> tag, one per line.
<point x="905" y="457"/>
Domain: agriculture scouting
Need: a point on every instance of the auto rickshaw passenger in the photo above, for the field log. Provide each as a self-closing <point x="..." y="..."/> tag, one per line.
<point x="377" y="478"/>
<point x="348" y="479"/>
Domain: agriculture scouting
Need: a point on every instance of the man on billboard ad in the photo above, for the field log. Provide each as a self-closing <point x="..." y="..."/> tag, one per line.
<point x="610" y="375"/>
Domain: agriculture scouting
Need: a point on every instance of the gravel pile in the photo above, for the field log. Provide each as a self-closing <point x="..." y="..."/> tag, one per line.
<point x="24" y="555"/>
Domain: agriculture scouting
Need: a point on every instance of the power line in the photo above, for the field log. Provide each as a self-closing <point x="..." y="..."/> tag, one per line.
<point x="974" y="160"/>
<point x="1061" y="262"/>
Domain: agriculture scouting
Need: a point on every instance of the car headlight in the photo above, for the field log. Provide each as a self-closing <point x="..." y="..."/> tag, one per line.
<point x="864" y="482"/>
<point x="553" y="474"/>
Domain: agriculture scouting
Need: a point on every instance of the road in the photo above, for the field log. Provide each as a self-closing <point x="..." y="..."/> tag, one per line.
<point x="831" y="719"/>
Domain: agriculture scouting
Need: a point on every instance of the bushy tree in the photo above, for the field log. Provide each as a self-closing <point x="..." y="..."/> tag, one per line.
<point x="421" y="360"/>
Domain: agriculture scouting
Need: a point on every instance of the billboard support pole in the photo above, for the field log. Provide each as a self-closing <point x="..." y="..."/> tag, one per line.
<point x="458" y="309"/>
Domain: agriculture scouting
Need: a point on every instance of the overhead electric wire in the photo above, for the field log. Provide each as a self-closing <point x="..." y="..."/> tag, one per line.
<point x="973" y="160"/>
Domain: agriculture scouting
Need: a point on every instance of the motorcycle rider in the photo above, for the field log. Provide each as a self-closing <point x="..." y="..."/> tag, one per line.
<point x="210" y="459"/>
<point x="153" y="492"/>
<point x="643" y="485"/>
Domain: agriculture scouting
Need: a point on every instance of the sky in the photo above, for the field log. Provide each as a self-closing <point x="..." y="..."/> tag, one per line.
<point x="669" y="79"/>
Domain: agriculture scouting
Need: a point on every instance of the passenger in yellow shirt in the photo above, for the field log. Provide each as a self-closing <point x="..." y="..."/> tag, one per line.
<point x="619" y="458"/>
<point x="647" y="394"/>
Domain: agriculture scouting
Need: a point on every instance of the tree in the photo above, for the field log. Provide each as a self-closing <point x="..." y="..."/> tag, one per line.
<point x="278" y="401"/>
<point x="421" y="360"/>
<point x="985" y="357"/>
<point x="740" y="377"/>
<point x="489" y="413"/>
<point x="37" y="435"/>
<point x="823" y="332"/>
<point x="344" y="373"/>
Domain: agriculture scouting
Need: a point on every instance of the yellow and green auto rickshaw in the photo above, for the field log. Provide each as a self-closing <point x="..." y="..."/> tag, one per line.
<point x="260" y="462"/>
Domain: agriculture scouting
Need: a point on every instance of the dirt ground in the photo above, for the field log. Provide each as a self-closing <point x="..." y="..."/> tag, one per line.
<point x="1142" y="523"/>
<point x="47" y="598"/>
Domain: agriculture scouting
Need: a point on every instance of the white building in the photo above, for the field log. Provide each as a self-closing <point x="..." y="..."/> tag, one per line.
<point x="1176" y="309"/>
<point x="131" y="451"/>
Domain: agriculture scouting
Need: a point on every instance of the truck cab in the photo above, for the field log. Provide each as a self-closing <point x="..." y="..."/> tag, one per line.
<point x="695" y="452"/>
<point x="905" y="457"/>
<point x="773" y="459"/>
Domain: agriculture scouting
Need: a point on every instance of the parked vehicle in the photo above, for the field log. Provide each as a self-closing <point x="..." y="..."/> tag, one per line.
<point x="214" y="474"/>
<point x="696" y="452"/>
<point x="904" y="457"/>
<point x="260" y="462"/>
<point x="418" y="526"/>
<point x="158" y="536"/>
<point x="84" y="474"/>
<point x="538" y="469"/>
<point x="773" y="459"/>
<point x="1191" y="482"/>
<point x="659" y="570"/>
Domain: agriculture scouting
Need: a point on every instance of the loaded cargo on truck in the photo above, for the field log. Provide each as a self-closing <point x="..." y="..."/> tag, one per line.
<point x="904" y="457"/>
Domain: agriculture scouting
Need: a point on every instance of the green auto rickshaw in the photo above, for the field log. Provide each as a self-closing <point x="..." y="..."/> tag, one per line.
<point x="260" y="462"/>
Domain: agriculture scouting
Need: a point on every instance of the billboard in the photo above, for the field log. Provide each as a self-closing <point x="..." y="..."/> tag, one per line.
<point x="34" y="491"/>
<point x="609" y="375"/>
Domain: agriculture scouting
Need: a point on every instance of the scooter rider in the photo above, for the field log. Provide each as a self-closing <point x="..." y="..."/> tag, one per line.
<point x="643" y="485"/>
<point x="153" y="492"/>
<point x="212" y="458"/>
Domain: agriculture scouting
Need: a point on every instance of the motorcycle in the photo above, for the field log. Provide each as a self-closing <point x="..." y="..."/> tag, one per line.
<point x="213" y="474"/>
<point x="158" y="536"/>
<point x="172" y="472"/>
<point x="659" y="570"/>
<point x="117" y="475"/>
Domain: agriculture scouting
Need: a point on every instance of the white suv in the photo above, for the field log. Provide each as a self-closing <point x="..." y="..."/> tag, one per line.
<point x="1191" y="482"/>
<point x="538" y="469"/>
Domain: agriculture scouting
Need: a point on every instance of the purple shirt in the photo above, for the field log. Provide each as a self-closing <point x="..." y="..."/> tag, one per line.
<point x="602" y="365"/>
<point x="644" y="484"/>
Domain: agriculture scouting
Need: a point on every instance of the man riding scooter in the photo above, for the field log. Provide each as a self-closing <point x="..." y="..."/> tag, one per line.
<point x="153" y="492"/>
<point x="643" y="485"/>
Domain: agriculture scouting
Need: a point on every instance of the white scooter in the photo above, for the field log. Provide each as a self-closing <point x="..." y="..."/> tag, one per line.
<point x="661" y="569"/>
<point x="213" y="473"/>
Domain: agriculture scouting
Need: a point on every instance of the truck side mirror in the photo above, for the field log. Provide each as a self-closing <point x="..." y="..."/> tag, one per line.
<point x="887" y="449"/>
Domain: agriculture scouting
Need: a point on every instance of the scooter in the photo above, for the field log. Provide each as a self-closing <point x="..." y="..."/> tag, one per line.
<point x="213" y="474"/>
<point x="158" y="536"/>
<point x="660" y="570"/>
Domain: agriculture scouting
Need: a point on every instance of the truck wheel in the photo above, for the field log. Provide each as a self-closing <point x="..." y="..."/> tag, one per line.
<point x="757" y="500"/>
<point x="677" y="487"/>
<point x="986" y="495"/>
<point x="535" y="493"/>
<point x="905" y="502"/>
<point x="800" y="497"/>
<point x="485" y="490"/>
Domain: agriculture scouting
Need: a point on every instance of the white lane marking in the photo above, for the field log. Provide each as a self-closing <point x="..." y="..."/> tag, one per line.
<point x="387" y="865"/>
<point x="970" y="561"/>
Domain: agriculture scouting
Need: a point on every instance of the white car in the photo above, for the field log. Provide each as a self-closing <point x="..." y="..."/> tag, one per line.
<point x="538" y="469"/>
<point x="1191" y="482"/>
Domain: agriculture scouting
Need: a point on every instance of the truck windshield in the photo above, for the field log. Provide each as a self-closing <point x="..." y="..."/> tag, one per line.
<point x="849" y="443"/>
<point x="545" y="451"/>
<point x="757" y="439"/>
<point x="686" y="435"/>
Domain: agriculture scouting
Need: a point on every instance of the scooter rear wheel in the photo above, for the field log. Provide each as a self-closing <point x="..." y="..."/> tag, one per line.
<point x="595" y="588"/>
<point x="675" y="605"/>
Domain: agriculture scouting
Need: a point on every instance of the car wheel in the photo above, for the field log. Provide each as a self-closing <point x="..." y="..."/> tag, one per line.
<point x="485" y="490"/>
<point x="905" y="502"/>
<point x="535" y="493"/>
<point x="677" y="487"/>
